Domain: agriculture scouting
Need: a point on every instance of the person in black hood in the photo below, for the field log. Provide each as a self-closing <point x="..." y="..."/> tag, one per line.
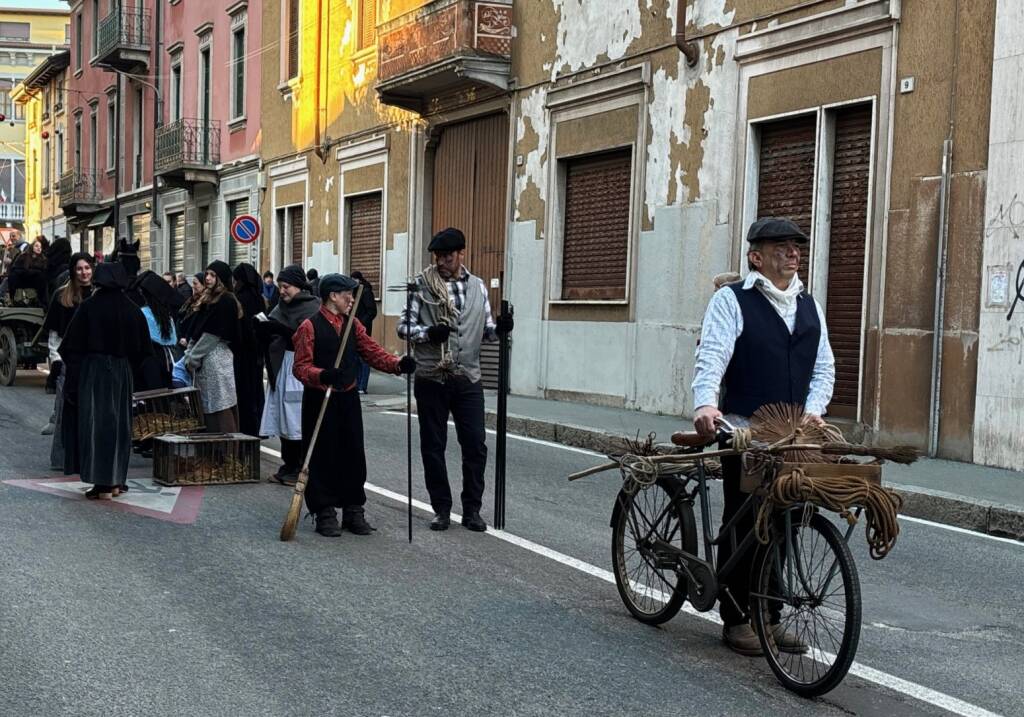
<point x="282" y="413"/>
<point x="366" y="312"/>
<point x="105" y="339"/>
<point x="248" y="356"/>
<point x="160" y="302"/>
<point x="58" y="260"/>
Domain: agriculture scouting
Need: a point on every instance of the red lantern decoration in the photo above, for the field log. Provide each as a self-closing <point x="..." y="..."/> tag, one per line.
<point x="46" y="134"/>
<point x="2" y="116"/>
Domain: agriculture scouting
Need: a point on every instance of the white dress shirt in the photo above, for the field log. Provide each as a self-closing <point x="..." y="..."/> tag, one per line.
<point x="723" y="324"/>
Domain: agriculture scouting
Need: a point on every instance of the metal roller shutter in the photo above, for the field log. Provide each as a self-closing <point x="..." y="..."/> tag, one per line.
<point x="140" y="233"/>
<point x="594" y="253"/>
<point x="785" y="184"/>
<point x="364" y="231"/>
<point x="298" y="242"/>
<point x="847" y="239"/>
<point x="237" y="251"/>
<point x="176" y="233"/>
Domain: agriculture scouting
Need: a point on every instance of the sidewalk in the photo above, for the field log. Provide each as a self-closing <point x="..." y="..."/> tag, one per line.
<point x="988" y="500"/>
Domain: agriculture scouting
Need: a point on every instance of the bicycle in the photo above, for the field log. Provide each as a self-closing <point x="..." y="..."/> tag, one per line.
<point x="803" y="580"/>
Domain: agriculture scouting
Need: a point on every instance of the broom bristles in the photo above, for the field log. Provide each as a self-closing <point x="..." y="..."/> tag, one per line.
<point x="904" y="455"/>
<point x="291" y="521"/>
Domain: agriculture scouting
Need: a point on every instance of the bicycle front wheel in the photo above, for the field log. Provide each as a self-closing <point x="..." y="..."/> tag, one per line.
<point x="649" y="528"/>
<point x="806" y="605"/>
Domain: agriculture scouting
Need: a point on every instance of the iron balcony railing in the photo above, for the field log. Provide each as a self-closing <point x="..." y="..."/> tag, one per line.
<point x="78" y="186"/>
<point x="123" y="28"/>
<point x="188" y="143"/>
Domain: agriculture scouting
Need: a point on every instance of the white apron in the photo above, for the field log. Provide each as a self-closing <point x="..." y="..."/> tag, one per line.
<point x="282" y="412"/>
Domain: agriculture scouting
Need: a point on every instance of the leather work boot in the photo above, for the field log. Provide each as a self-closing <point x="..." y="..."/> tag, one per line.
<point x="742" y="639"/>
<point x="474" y="522"/>
<point x="441" y="521"/>
<point x="788" y="641"/>
<point x="327" y="523"/>
<point x="354" y="521"/>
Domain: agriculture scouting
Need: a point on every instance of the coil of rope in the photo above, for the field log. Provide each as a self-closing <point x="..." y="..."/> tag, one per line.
<point x="838" y="494"/>
<point x="638" y="472"/>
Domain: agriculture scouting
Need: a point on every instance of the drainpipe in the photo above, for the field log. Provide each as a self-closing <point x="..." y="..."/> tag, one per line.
<point x="689" y="49"/>
<point x="158" y="115"/>
<point x="317" y="149"/>
<point x="117" y="160"/>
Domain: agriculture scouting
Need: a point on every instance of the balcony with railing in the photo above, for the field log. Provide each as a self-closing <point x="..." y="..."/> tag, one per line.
<point x="12" y="212"/>
<point x="79" y="192"/>
<point x="188" y="152"/>
<point x="124" y="39"/>
<point x="444" y="47"/>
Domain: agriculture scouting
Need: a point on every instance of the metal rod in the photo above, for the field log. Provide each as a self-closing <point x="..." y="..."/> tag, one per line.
<point x="410" y="287"/>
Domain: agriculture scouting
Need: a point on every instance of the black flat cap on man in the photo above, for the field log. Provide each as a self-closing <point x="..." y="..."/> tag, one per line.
<point x="446" y="240"/>
<point x="775" y="229"/>
<point x="336" y="282"/>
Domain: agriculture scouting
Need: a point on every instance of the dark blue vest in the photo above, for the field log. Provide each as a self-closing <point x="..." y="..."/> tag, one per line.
<point x="770" y="365"/>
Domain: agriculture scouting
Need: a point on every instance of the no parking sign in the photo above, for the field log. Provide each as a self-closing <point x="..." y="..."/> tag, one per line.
<point x="245" y="229"/>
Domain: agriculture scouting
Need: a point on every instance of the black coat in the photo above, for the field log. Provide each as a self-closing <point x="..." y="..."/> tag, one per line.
<point x="366" y="312"/>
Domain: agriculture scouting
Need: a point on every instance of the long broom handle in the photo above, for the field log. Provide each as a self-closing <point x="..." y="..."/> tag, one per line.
<point x="337" y="362"/>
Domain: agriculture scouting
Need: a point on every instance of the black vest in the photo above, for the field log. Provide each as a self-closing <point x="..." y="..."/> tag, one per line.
<point x="770" y="365"/>
<point x="326" y="342"/>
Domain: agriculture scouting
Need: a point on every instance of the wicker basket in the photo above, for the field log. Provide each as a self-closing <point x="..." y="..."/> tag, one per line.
<point x="166" y="411"/>
<point x="206" y="459"/>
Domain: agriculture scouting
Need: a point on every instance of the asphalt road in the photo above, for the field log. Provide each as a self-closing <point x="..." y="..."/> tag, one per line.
<point x="113" y="613"/>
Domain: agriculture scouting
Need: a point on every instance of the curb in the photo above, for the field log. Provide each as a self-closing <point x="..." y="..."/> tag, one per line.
<point x="1006" y="521"/>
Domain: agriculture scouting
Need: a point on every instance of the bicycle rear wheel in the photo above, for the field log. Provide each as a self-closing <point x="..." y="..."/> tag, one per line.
<point x="807" y="587"/>
<point x="643" y="525"/>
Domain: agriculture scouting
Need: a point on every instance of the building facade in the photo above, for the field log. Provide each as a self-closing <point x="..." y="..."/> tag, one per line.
<point x="43" y="98"/>
<point x="27" y="37"/>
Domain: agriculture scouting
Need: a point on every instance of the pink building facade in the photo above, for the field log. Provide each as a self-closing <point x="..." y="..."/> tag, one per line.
<point x="207" y="150"/>
<point x="163" y="128"/>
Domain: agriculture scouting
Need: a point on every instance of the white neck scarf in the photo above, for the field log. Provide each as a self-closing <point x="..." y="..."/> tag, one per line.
<point x="782" y="301"/>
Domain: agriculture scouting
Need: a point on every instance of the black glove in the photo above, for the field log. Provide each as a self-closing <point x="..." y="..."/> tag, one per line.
<point x="330" y="376"/>
<point x="407" y="364"/>
<point x="504" y="324"/>
<point x="439" y="334"/>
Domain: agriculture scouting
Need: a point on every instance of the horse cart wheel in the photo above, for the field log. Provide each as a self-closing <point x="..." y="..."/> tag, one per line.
<point x="8" y="356"/>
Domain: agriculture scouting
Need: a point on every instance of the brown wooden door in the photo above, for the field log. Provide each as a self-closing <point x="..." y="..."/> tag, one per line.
<point x="470" y="183"/>
<point x="844" y="307"/>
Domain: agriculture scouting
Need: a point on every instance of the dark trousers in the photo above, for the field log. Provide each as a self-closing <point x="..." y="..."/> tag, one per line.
<point x="464" y="400"/>
<point x="291" y="455"/>
<point x="337" y="470"/>
<point x="738" y="580"/>
<point x="363" y="380"/>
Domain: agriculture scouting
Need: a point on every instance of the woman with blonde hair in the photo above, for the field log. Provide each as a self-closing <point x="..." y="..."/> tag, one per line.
<point x="214" y="328"/>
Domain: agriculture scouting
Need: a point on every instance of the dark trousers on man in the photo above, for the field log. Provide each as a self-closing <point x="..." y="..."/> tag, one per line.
<point x="738" y="580"/>
<point x="337" y="470"/>
<point x="464" y="401"/>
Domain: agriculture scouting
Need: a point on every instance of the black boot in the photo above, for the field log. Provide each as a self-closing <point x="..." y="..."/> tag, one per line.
<point x="327" y="523"/>
<point x="354" y="521"/>
<point x="473" y="521"/>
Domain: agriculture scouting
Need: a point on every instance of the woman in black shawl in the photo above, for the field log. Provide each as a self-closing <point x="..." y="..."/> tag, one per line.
<point x="105" y="339"/>
<point x="214" y="329"/>
<point x="159" y="303"/>
<point x="282" y="414"/>
<point x="63" y="308"/>
<point x="248" y="357"/>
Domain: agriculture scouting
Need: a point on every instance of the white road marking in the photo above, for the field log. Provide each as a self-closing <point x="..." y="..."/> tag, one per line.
<point x="870" y="674"/>
<point x="584" y="451"/>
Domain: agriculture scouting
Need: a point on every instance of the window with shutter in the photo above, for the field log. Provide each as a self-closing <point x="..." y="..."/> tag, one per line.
<point x="291" y="41"/>
<point x="367" y="23"/>
<point x="847" y="240"/>
<point x="140" y="233"/>
<point x="364" y="232"/>
<point x="785" y="182"/>
<point x="237" y="251"/>
<point x="298" y="241"/>
<point x="176" y="233"/>
<point x="596" y="229"/>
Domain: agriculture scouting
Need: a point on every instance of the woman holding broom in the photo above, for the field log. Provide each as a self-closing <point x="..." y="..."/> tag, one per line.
<point x="337" y="468"/>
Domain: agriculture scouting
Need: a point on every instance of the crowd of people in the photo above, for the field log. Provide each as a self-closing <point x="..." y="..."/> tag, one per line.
<point x="262" y="352"/>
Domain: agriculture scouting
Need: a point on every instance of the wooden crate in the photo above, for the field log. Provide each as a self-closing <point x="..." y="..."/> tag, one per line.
<point x="206" y="459"/>
<point x="163" y="411"/>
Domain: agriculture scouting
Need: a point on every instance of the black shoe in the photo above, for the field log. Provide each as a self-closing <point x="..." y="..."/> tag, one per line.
<point x="327" y="523"/>
<point x="354" y="521"/>
<point x="474" y="522"/>
<point x="441" y="521"/>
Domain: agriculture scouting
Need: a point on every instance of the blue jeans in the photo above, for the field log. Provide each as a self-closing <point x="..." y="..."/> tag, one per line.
<point x="364" y="376"/>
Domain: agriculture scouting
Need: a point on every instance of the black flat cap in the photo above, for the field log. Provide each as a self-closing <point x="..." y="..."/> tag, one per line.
<point x="336" y="282"/>
<point x="450" y="239"/>
<point x="776" y="229"/>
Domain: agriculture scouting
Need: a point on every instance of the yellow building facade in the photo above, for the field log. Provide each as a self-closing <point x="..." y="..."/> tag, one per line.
<point x="27" y="38"/>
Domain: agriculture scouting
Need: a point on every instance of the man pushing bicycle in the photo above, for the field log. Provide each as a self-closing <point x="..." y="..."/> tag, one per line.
<point x="763" y="341"/>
